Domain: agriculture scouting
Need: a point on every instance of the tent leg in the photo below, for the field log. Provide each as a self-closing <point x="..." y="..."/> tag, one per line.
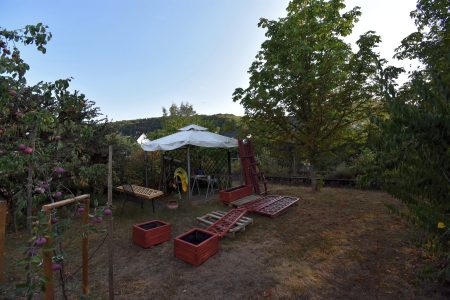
<point x="189" y="172"/>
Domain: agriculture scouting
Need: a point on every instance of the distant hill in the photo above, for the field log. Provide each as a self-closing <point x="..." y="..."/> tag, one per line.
<point x="227" y="124"/>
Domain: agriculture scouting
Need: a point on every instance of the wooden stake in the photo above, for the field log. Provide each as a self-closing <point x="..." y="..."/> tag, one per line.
<point x="48" y="253"/>
<point x="2" y="238"/>
<point x="48" y="272"/>
<point x="85" y="248"/>
<point x="110" y="230"/>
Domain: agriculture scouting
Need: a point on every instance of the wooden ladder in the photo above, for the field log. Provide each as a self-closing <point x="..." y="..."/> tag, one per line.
<point x="251" y="169"/>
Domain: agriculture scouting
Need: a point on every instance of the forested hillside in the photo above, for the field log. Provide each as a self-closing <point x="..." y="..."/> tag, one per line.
<point x="226" y="124"/>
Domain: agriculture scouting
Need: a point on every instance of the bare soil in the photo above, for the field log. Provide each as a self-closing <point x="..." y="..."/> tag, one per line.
<point x="335" y="244"/>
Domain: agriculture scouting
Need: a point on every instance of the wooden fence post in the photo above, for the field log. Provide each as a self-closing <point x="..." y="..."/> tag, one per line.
<point x="110" y="229"/>
<point x="85" y="247"/>
<point x="2" y="238"/>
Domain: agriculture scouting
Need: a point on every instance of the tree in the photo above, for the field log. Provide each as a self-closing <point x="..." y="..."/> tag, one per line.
<point x="307" y="87"/>
<point x="178" y="117"/>
<point x="48" y="134"/>
<point x="413" y="155"/>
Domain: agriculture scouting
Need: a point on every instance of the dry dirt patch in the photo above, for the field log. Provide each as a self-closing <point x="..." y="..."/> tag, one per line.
<point x="339" y="243"/>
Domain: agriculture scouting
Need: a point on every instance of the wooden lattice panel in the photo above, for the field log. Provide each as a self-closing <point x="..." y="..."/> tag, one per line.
<point x="277" y="207"/>
<point x="143" y="192"/>
<point x="262" y="202"/>
<point x="224" y="224"/>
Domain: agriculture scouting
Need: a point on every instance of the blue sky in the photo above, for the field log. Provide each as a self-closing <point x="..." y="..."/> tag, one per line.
<point x="133" y="57"/>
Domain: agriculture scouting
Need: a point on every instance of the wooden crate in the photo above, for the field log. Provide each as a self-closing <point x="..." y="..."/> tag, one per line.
<point x="196" y="246"/>
<point x="151" y="233"/>
<point x="212" y="217"/>
<point x="235" y="193"/>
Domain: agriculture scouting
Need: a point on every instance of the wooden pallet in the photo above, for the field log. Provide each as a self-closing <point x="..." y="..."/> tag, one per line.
<point x="212" y="217"/>
<point x="243" y="201"/>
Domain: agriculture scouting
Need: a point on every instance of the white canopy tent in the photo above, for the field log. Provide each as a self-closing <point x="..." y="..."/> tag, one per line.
<point x="190" y="135"/>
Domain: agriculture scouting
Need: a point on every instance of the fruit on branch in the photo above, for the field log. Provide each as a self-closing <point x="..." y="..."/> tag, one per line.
<point x="22" y="147"/>
<point x="56" y="266"/>
<point x="58" y="195"/>
<point x="28" y="150"/>
<point x="59" y="170"/>
<point x="40" y="241"/>
<point x="107" y="212"/>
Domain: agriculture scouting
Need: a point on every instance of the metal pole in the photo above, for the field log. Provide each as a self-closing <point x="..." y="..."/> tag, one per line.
<point x="189" y="172"/>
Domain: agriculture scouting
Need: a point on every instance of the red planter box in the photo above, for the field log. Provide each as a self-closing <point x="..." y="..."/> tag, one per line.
<point x="196" y="246"/>
<point x="235" y="193"/>
<point x="151" y="233"/>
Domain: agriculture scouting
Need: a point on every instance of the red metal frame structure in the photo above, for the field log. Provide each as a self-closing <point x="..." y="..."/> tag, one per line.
<point x="251" y="169"/>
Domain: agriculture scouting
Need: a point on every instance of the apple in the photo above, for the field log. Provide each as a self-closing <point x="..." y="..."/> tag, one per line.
<point x="80" y="210"/>
<point x="57" y="195"/>
<point x="98" y="219"/>
<point x="107" y="212"/>
<point x="40" y="241"/>
<point x="59" y="170"/>
<point x="22" y="147"/>
<point x="28" y="150"/>
<point x="56" y="266"/>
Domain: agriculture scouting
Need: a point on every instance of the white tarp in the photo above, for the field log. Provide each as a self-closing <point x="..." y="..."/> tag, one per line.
<point x="189" y="135"/>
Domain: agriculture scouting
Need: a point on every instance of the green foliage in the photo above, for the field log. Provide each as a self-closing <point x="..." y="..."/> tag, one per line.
<point x="413" y="148"/>
<point x="307" y="87"/>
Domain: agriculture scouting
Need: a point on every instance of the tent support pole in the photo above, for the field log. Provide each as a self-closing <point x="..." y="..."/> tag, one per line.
<point x="189" y="172"/>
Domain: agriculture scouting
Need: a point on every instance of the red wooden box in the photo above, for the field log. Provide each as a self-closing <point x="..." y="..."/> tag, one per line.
<point x="151" y="233"/>
<point x="196" y="246"/>
<point x="235" y="193"/>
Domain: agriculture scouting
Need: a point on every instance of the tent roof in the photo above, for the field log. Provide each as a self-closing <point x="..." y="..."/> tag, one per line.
<point x="189" y="135"/>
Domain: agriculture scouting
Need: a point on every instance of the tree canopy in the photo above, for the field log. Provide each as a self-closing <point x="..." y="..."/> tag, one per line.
<point x="307" y="87"/>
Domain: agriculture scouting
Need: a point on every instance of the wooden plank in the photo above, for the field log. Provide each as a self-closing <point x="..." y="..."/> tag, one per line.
<point x="243" y="201"/>
<point x="210" y="218"/>
<point x="47" y="207"/>
<point x="110" y="229"/>
<point x="48" y="273"/>
<point x="85" y="249"/>
<point x="2" y="238"/>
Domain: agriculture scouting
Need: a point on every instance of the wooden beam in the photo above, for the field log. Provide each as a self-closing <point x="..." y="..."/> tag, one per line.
<point x="111" y="227"/>
<point x="85" y="247"/>
<point x="50" y="206"/>
<point x="47" y="253"/>
<point x="2" y="238"/>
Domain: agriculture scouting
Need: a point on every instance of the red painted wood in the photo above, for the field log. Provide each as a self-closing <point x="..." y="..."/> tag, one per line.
<point x="147" y="238"/>
<point x="251" y="169"/>
<point x="222" y="225"/>
<point x="272" y="205"/>
<point x="261" y="202"/>
<point x="235" y="193"/>
<point x="192" y="253"/>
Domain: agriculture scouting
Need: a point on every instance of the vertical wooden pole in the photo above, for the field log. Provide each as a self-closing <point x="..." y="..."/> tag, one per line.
<point x="111" y="227"/>
<point x="2" y="238"/>
<point x="48" y="272"/>
<point x="229" y="180"/>
<point x="146" y="167"/>
<point x="85" y="247"/>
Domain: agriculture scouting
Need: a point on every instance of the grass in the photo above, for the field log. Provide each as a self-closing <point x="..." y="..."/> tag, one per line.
<point x="339" y="243"/>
